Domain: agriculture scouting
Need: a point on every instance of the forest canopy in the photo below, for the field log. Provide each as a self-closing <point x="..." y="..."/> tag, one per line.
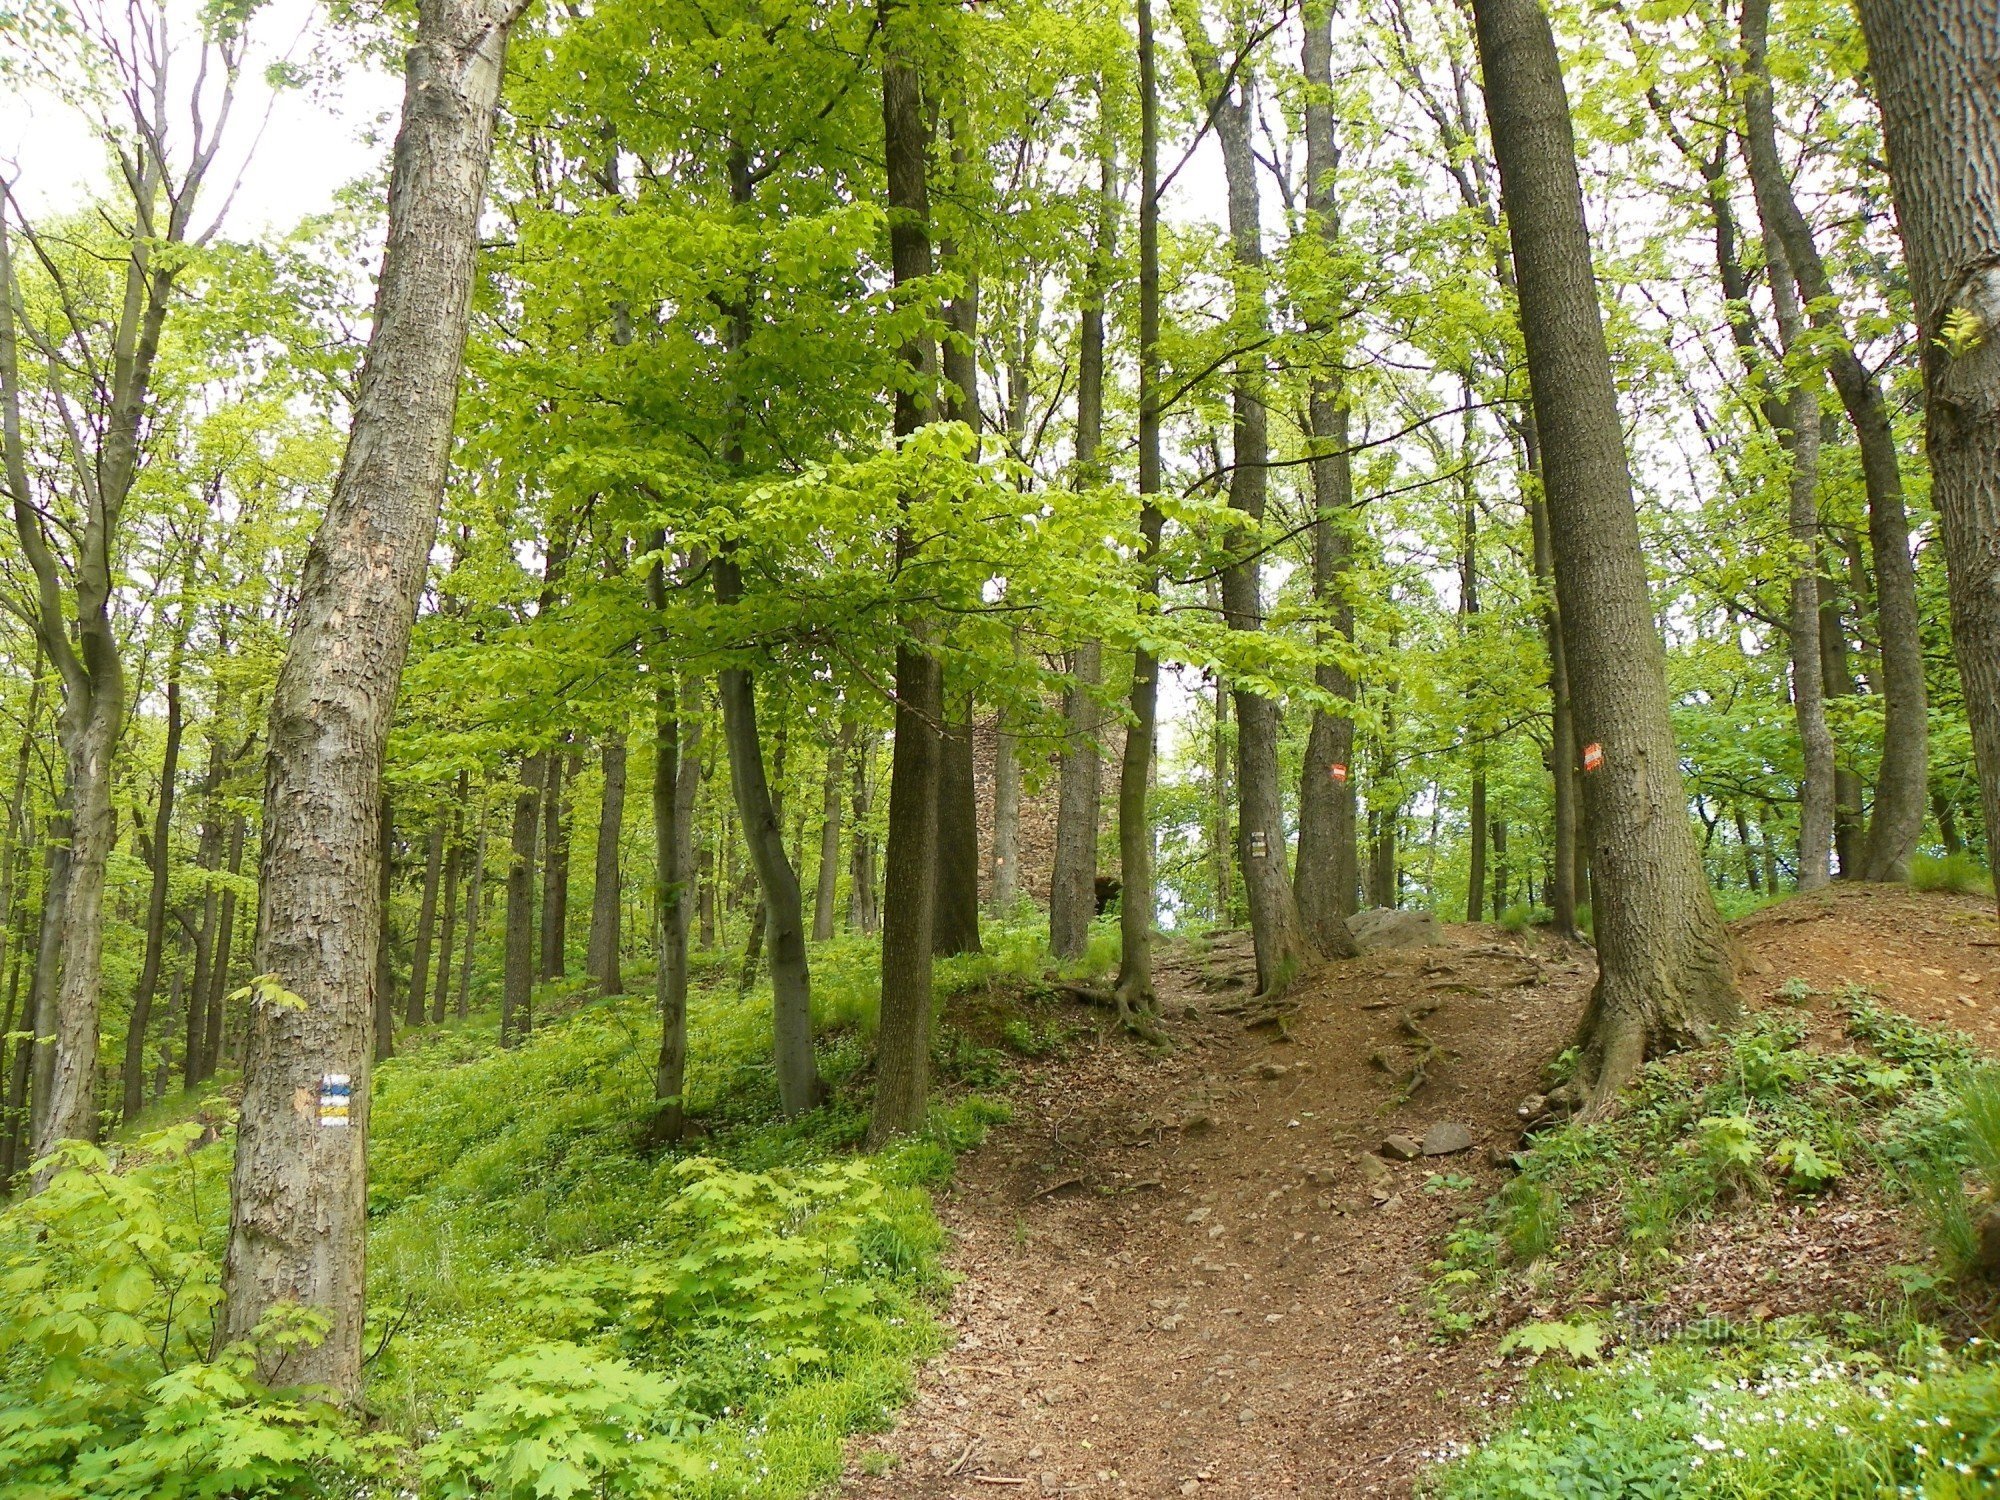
<point x="536" y="683"/>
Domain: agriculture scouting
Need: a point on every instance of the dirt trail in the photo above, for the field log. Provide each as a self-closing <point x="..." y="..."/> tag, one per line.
<point x="1180" y="1275"/>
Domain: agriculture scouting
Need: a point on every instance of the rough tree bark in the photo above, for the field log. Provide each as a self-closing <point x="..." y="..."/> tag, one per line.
<point x="517" y="980"/>
<point x="299" y="1193"/>
<point x="420" y="956"/>
<point x="955" y="926"/>
<point x="606" y="894"/>
<point x="554" y="950"/>
<point x="454" y="863"/>
<point x="864" y="913"/>
<point x="827" y="888"/>
<point x="1006" y="817"/>
<point x="1902" y="787"/>
<point x="1136" y="999"/>
<point x="676" y="775"/>
<point x="156" y="895"/>
<point x="1665" y="974"/>
<point x="1278" y="933"/>
<point x="902" y="1078"/>
<point x="1080" y="778"/>
<point x="1937" y="77"/>
<point x="1329" y="859"/>
<point x="475" y="888"/>
<point x="782" y="905"/>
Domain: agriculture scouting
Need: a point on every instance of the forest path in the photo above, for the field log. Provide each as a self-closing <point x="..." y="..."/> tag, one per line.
<point x="1183" y="1273"/>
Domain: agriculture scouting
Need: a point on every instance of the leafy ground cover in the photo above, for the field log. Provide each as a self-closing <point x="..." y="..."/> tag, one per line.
<point x="554" y="1309"/>
<point x="1850" y="1144"/>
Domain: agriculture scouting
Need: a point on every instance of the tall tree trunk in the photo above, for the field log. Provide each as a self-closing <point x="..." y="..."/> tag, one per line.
<point x="1006" y="818"/>
<point x="208" y="860"/>
<point x="299" y="1190"/>
<point x="902" y="1081"/>
<point x="1566" y="853"/>
<point x="42" y="987"/>
<point x="780" y="926"/>
<point x="1664" y="969"/>
<point x="89" y="732"/>
<point x="454" y="862"/>
<point x="864" y="914"/>
<point x="676" y="769"/>
<point x="156" y="899"/>
<point x="555" y="865"/>
<point x="475" y="889"/>
<point x="1902" y="786"/>
<point x="1329" y="859"/>
<point x="1936" y="67"/>
<point x="517" y="981"/>
<point x="219" y="960"/>
<point x="606" y="894"/>
<point x="955" y="926"/>
<point x="1837" y="681"/>
<point x="1079" y="793"/>
<point x="420" y="957"/>
<point x="1220" y="785"/>
<point x="1136" y="999"/>
<point x="1080" y="776"/>
<point x="385" y="992"/>
<point x="1282" y="943"/>
<point x="832" y="792"/>
<point x="1468" y="610"/>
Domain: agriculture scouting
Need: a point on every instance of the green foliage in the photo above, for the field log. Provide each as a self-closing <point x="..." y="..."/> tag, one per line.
<point x="554" y="1422"/>
<point x="1686" y="1422"/>
<point x="1581" y="1342"/>
<point x="106" y="1385"/>
<point x="1960" y="873"/>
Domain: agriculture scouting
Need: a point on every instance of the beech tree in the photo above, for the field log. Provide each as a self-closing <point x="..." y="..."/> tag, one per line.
<point x="1940" y="99"/>
<point x="1665" y="976"/>
<point x="298" y="1192"/>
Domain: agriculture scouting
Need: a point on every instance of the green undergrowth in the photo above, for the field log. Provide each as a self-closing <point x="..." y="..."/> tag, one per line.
<point x="555" y="1309"/>
<point x="1633" y="1396"/>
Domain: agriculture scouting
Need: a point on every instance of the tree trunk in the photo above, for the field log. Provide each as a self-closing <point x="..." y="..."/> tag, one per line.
<point x="219" y="959"/>
<point x="555" y="866"/>
<point x="1897" y="820"/>
<point x="676" y="768"/>
<point x="208" y="860"/>
<point x="1220" y="787"/>
<point x="454" y="862"/>
<point x="474" y="890"/>
<point x="298" y="1194"/>
<point x="902" y="1081"/>
<point x="1500" y="871"/>
<point x="42" y="988"/>
<point x="385" y="992"/>
<point x="1329" y="860"/>
<point x="827" y="888"/>
<point x="956" y="922"/>
<point x="864" y="913"/>
<point x="156" y="903"/>
<point x="1468" y="610"/>
<point x="1936" y="67"/>
<point x="1566" y="853"/>
<point x="1137" y="900"/>
<point x="517" y="983"/>
<point x="606" y="894"/>
<point x="1664" y="968"/>
<point x="1079" y="792"/>
<point x="1080" y="778"/>
<point x="780" y="930"/>
<point x="1277" y="930"/>
<point x="1006" y="818"/>
<point x="420" y="958"/>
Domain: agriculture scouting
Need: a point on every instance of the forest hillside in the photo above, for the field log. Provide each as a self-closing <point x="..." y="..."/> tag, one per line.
<point x="768" y="747"/>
